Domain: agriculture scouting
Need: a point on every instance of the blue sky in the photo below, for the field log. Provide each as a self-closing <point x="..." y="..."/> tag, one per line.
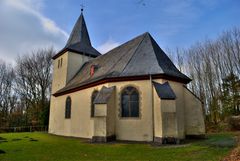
<point x="171" y="22"/>
<point x="30" y="24"/>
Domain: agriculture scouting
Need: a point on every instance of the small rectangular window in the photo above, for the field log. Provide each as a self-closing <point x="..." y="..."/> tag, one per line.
<point x="58" y="63"/>
<point x="61" y="61"/>
<point x="68" y="108"/>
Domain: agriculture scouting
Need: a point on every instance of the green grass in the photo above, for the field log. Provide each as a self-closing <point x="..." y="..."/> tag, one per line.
<point x="45" y="147"/>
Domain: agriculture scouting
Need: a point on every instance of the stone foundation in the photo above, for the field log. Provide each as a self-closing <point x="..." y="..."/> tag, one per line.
<point x="167" y="140"/>
<point x="196" y="136"/>
<point x="158" y="140"/>
<point x="103" y="139"/>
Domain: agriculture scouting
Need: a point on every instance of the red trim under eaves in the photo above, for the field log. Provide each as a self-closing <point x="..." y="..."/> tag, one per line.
<point x="119" y="79"/>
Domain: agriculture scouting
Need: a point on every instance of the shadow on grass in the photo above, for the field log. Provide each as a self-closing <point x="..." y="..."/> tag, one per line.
<point x="1" y="138"/>
<point x="221" y="141"/>
<point x="31" y="139"/>
<point x="16" y="139"/>
<point x="2" y="152"/>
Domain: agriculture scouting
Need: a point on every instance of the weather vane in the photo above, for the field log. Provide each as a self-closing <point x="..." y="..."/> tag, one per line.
<point x="82" y="6"/>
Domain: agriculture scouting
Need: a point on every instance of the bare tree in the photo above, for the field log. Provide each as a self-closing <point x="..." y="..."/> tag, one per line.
<point x="208" y="63"/>
<point x="33" y="82"/>
<point x="6" y="82"/>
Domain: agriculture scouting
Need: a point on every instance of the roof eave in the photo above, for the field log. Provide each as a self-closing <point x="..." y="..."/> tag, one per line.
<point x="61" y="52"/>
<point x="118" y="79"/>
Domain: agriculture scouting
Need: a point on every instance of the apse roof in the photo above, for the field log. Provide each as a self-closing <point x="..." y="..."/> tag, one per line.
<point x="137" y="57"/>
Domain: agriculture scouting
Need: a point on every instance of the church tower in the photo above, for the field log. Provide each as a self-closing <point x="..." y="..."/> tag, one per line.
<point x="76" y="52"/>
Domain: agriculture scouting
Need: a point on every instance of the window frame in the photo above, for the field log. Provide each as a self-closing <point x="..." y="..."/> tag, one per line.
<point x="68" y="107"/>
<point x="59" y="64"/>
<point x="61" y="61"/>
<point x="134" y="89"/>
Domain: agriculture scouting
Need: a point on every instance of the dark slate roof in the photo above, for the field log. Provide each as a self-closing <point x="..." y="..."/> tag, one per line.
<point x="164" y="91"/>
<point x="79" y="40"/>
<point x="104" y="95"/>
<point x="79" y="33"/>
<point x="137" y="57"/>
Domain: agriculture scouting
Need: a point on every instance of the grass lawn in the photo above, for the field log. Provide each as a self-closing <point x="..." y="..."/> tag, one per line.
<point x="44" y="147"/>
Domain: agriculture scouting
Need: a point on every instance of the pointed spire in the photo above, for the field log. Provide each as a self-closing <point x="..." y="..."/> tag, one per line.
<point x="79" y="41"/>
<point x="79" y="33"/>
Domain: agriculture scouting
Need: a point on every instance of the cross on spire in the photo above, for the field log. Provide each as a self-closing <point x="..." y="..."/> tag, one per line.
<point x="82" y="6"/>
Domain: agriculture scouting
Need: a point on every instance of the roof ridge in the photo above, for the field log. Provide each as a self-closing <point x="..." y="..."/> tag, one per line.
<point x="125" y="42"/>
<point x="145" y="34"/>
<point x="156" y="47"/>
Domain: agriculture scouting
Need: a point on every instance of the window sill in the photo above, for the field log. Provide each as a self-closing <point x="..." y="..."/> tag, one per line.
<point x="129" y="118"/>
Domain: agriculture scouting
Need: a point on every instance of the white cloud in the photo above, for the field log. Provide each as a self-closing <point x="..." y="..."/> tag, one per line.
<point x="108" y="45"/>
<point x="24" y="28"/>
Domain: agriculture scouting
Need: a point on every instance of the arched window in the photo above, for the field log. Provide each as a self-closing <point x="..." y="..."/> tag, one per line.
<point x="94" y="94"/>
<point x="68" y="108"/>
<point x="130" y="102"/>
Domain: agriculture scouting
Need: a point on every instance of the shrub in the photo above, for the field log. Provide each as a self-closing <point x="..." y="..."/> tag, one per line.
<point x="234" y="122"/>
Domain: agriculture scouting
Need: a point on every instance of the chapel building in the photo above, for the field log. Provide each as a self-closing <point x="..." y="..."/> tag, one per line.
<point x="133" y="92"/>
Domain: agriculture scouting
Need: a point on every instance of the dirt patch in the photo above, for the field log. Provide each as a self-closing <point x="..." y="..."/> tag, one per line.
<point x="17" y="139"/>
<point x="235" y="153"/>
<point x="2" y="152"/>
<point x="233" y="156"/>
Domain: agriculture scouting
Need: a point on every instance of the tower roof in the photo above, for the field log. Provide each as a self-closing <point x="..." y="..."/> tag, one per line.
<point x="79" y="33"/>
<point x="135" y="59"/>
<point x="79" y="40"/>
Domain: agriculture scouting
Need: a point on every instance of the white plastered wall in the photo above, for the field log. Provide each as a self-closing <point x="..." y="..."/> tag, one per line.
<point x="169" y="119"/>
<point x="75" y="61"/>
<point x="81" y="123"/>
<point x="135" y="129"/>
<point x="100" y="120"/>
<point x="194" y="120"/>
<point x="104" y="120"/>
<point x="111" y="115"/>
<point x="157" y="115"/>
<point x="71" y="63"/>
